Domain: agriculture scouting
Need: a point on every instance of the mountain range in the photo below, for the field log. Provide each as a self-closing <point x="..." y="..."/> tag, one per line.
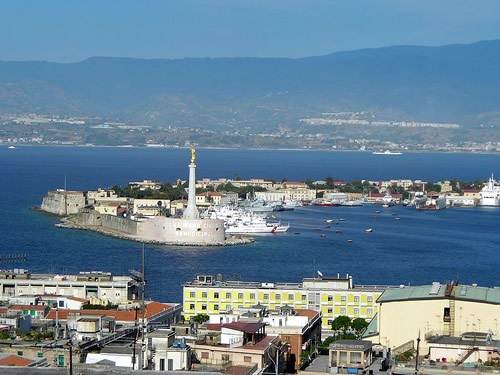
<point x="453" y="83"/>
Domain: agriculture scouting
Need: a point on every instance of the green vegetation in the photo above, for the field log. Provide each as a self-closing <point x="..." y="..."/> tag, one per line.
<point x="200" y="318"/>
<point x="35" y="335"/>
<point x="406" y="356"/>
<point x="347" y="328"/>
<point x="166" y="191"/>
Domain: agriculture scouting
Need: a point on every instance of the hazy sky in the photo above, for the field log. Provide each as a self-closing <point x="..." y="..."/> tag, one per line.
<point x="69" y="30"/>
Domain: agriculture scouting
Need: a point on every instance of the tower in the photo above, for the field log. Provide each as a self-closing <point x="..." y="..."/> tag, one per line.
<point x="191" y="211"/>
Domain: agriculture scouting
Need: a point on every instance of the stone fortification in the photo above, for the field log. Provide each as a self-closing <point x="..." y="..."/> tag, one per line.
<point x="161" y="230"/>
<point x="63" y="202"/>
<point x="195" y="231"/>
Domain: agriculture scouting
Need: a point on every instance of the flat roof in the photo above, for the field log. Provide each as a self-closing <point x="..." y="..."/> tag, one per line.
<point x="351" y="345"/>
<point x="442" y="291"/>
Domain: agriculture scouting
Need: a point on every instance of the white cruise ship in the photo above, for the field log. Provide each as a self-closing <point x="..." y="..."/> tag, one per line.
<point x="490" y="194"/>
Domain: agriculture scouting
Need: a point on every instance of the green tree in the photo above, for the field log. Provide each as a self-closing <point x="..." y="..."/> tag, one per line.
<point x="200" y="318"/>
<point x="359" y="325"/>
<point x="341" y="323"/>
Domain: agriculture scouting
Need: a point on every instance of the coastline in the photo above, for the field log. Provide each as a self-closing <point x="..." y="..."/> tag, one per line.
<point x="69" y="222"/>
<point x="404" y="152"/>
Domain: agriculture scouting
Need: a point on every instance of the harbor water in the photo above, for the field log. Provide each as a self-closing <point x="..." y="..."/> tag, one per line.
<point x="453" y="244"/>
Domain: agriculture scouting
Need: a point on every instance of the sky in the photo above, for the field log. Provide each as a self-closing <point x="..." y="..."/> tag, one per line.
<point x="71" y="30"/>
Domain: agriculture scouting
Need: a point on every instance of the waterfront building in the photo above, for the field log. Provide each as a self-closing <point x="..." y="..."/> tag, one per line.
<point x="63" y="202"/>
<point x="435" y="311"/>
<point x="296" y="194"/>
<point x="145" y="184"/>
<point x="472" y="193"/>
<point x="150" y="207"/>
<point x="101" y="287"/>
<point x="332" y="296"/>
<point x="460" y="200"/>
<point x="103" y="195"/>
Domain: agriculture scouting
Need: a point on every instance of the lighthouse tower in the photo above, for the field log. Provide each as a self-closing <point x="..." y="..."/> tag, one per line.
<point x="191" y="212"/>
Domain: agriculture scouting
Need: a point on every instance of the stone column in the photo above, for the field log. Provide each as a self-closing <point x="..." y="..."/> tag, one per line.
<point x="191" y="212"/>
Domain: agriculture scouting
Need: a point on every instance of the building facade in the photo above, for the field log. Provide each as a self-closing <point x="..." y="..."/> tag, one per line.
<point x="89" y="285"/>
<point x="207" y="294"/>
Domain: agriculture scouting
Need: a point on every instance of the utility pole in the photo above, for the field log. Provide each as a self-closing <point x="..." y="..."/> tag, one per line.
<point x="70" y="357"/>
<point x="416" y="357"/>
<point x="143" y="308"/>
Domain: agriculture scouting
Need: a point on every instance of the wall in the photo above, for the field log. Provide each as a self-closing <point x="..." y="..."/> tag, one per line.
<point x="184" y="231"/>
<point x="63" y="202"/>
<point x="119" y="224"/>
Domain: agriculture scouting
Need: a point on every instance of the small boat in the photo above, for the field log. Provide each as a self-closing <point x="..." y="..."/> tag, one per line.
<point x="397" y="218"/>
<point x="11" y="147"/>
<point x="297" y="233"/>
<point x="317" y="229"/>
<point x="369" y="230"/>
<point x="329" y="220"/>
<point x="341" y="219"/>
<point x="322" y="235"/>
<point x="327" y="227"/>
<point x="385" y="206"/>
<point x="349" y="241"/>
<point x="377" y="212"/>
<point x="339" y="231"/>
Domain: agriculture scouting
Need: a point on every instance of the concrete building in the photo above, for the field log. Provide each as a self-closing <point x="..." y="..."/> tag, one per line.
<point x="89" y="285"/>
<point x="103" y="195"/>
<point x="461" y="201"/>
<point x="145" y="184"/>
<point x="241" y="344"/>
<point x="298" y="194"/>
<point x="332" y="296"/>
<point x="150" y="207"/>
<point x="437" y="310"/>
<point x="350" y="354"/>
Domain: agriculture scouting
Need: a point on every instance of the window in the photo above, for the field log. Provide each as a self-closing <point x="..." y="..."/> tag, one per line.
<point x="278" y="297"/>
<point x="330" y="322"/>
<point x="203" y="307"/>
<point x="446" y="315"/>
<point x="356" y="311"/>
<point x="303" y="297"/>
<point x="61" y="304"/>
<point x="192" y="295"/>
<point x="216" y="307"/>
<point x="228" y="295"/>
<point x="252" y="295"/>
<point x="247" y="358"/>
<point x="343" y="298"/>
<point x="369" y="312"/>
<point x="266" y="296"/>
<point x="204" y="355"/>
<point x="191" y="306"/>
<point x="162" y="364"/>
<point x="330" y="298"/>
<point x="330" y="310"/>
<point x="204" y="295"/>
<point x="343" y="310"/>
<point x="240" y="295"/>
<point x="216" y="294"/>
<point x="225" y="357"/>
<point x="370" y="298"/>
<point x="290" y="297"/>
<point x="356" y="298"/>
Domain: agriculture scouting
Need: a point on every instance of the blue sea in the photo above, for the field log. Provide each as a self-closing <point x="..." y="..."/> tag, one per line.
<point x="453" y="244"/>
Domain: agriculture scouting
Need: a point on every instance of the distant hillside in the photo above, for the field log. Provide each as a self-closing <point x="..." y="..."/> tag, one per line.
<point x="455" y="83"/>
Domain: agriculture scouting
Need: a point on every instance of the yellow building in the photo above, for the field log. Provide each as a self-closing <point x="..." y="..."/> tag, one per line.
<point x="208" y="294"/>
<point x="437" y="310"/>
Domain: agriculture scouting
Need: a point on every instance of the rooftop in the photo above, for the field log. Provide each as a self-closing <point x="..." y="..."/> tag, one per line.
<point x="442" y="291"/>
<point x="244" y="327"/>
<point x="312" y="284"/>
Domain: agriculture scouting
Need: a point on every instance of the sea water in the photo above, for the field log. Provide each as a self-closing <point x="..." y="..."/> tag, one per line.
<point x="453" y="244"/>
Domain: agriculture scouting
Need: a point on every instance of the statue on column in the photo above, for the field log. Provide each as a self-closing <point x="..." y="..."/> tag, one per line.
<point x="193" y="154"/>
